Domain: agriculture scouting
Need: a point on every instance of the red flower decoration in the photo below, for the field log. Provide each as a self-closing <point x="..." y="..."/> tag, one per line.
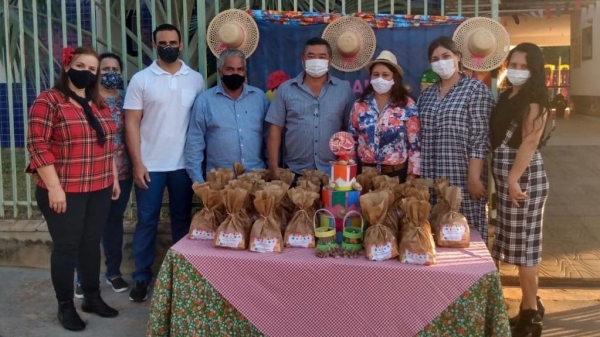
<point x="67" y="56"/>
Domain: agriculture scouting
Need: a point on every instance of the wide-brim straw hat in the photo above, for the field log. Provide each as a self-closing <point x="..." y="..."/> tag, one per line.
<point x="483" y="42"/>
<point x="233" y="28"/>
<point x="352" y="41"/>
<point x="388" y="58"/>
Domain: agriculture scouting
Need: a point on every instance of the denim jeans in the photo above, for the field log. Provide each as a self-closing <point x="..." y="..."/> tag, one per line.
<point x="112" y="235"/>
<point x="149" y="202"/>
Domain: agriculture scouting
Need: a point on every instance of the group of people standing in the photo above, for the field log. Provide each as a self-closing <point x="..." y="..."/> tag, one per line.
<point x="90" y="142"/>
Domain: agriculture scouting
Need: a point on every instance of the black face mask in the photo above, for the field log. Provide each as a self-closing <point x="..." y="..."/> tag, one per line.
<point x="168" y="54"/>
<point x="81" y="79"/>
<point x="233" y="81"/>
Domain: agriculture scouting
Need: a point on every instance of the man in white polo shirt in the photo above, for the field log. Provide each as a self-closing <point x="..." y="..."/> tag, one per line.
<point x="158" y="105"/>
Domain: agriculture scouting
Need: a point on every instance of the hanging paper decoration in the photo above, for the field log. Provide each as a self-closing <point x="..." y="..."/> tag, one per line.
<point x="577" y="5"/>
<point x="516" y="19"/>
<point x="548" y="13"/>
<point x="558" y="11"/>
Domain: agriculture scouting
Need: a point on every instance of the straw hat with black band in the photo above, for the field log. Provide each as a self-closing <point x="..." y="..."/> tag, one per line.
<point x="233" y="28"/>
<point x="484" y="43"/>
<point x="352" y="41"/>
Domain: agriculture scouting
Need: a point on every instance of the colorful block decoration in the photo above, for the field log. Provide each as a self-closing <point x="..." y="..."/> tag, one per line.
<point x="339" y="203"/>
<point x="343" y="176"/>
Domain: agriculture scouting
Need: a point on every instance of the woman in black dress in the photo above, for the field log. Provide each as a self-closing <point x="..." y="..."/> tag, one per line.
<point x="517" y="125"/>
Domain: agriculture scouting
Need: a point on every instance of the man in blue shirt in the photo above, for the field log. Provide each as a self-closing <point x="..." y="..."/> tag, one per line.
<point x="227" y="121"/>
<point x="307" y="110"/>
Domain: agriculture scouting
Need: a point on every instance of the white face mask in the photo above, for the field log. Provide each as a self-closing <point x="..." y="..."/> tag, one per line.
<point x="444" y="68"/>
<point x="316" y="67"/>
<point x="381" y="85"/>
<point x="517" y="77"/>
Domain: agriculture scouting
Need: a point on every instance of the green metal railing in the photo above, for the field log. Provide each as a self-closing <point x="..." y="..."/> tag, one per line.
<point x="28" y="50"/>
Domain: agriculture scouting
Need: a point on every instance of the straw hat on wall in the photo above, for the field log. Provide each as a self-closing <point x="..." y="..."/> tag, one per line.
<point x="483" y="42"/>
<point x="352" y="41"/>
<point x="233" y="28"/>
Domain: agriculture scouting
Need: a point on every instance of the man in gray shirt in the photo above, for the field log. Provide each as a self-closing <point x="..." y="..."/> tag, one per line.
<point x="307" y="110"/>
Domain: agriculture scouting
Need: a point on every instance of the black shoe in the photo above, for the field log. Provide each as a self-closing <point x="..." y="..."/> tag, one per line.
<point x="139" y="292"/>
<point x="78" y="291"/>
<point x="93" y="303"/>
<point x="68" y="316"/>
<point x="540" y="308"/>
<point x="118" y="284"/>
<point x="529" y="324"/>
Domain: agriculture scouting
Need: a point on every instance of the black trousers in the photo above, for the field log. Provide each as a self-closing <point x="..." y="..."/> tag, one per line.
<point x="76" y="238"/>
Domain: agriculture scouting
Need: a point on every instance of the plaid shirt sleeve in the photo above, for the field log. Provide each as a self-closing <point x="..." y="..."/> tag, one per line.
<point x="480" y="107"/>
<point x="39" y="131"/>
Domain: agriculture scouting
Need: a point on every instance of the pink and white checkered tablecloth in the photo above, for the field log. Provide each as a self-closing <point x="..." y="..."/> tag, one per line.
<point x="294" y="293"/>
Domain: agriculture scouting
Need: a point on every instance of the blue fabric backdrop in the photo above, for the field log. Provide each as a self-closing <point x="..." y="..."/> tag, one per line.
<point x="280" y="48"/>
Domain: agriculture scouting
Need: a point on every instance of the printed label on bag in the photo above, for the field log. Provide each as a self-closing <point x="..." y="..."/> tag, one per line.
<point x="231" y="240"/>
<point x="415" y="258"/>
<point x="452" y="233"/>
<point x="265" y="245"/>
<point x="199" y="234"/>
<point x="300" y="240"/>
<point x="381" y="252"/>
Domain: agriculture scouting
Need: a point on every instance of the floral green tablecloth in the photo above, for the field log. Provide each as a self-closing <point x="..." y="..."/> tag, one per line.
<point x="185" y="304"/>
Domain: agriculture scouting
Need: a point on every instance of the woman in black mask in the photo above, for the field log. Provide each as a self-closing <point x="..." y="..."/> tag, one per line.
<point x="71" y="148"/>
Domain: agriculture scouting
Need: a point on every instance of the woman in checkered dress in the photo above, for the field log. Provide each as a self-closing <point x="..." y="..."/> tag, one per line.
<point x="517" y="124"/>
<point x="454" y="116"/>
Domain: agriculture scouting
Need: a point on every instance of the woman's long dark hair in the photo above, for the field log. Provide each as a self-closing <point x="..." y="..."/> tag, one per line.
<point x="534" y="90"/>
<point x="62" y="84"/>
<point x="399" y="93"/>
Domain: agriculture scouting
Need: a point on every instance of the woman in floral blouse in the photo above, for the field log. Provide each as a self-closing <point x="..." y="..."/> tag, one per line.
<point x="385" y="122"/>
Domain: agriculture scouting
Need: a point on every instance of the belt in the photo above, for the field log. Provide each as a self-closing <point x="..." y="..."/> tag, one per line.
<point x="385" y="169"/>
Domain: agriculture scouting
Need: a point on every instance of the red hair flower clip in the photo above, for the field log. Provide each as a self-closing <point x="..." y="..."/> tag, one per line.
<point x="67" y="56"/>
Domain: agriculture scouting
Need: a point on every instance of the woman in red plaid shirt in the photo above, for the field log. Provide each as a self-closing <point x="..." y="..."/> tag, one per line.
<point x="71" y="148"/>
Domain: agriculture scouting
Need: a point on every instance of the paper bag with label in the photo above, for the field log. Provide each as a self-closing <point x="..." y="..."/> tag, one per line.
<point x="416" y="246"/>
<point x="265" y="236"/>
<point x="441" y="207"/>
<point x="233" y="232"/>
<point x="365" y="182"/>
<point x="380" y="241"/>
<point x="205" y="222"/>
<point x="300" y="231"/>
<point x="278" y="189"/>
<point x="453" y="229"/>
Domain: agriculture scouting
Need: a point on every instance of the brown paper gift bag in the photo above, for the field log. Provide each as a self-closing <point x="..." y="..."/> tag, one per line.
<point x="380" y="241"/>
<point x="441" y="206"/>
<point x="416" y="191"/>
<point x="238" y="169"/>
<point x="250" y="187"/>
<point x="416" y="246"/>
<point x="278" y="189"/>
<point x="364" y="181"/>
<point x="383" y="181"/>
<point x="321" y="176"/>
<point x="222" y="175"/>
<point x="205" y="222"/>
<point x="233" y="232"/>
<point x="453" y="229"/>
<point x="265" y="236"/>
<point x="300" y="231"/>
<point x="369" y="171"/>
